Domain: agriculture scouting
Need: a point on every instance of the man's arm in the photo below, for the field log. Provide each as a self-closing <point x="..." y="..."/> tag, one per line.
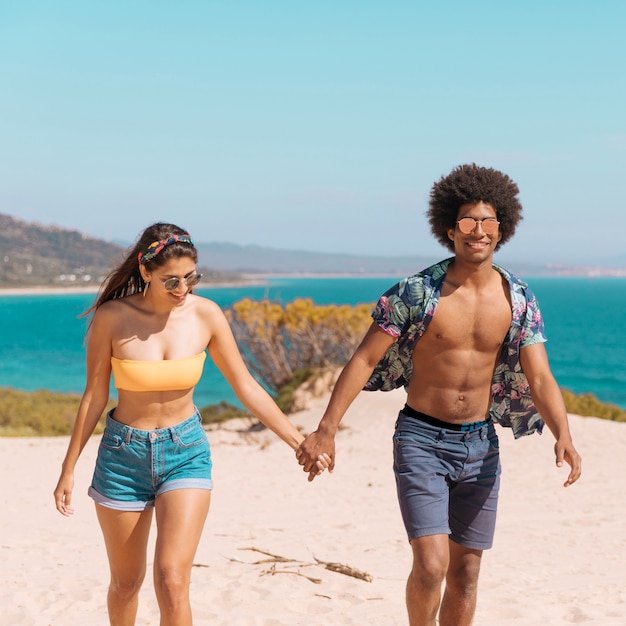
<point x="351" y="381"/>
<point x="549" y="402"/>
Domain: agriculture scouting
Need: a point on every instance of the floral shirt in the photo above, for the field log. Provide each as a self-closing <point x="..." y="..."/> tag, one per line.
<point x="405" y="310"/>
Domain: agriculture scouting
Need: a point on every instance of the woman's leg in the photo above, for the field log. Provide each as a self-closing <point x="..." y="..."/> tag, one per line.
<point x="126" y="539"/>
<point x="180" y="517"/>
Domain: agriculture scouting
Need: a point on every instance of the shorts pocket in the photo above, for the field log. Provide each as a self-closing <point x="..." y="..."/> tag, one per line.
<point x="408" y="435"/>
<point x="112" y="441"/>
<point x="411" y="452"/>
<point x="192" y="437"/>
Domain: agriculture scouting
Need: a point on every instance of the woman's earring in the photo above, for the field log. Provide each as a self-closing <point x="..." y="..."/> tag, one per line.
<point x="145" y="289"/>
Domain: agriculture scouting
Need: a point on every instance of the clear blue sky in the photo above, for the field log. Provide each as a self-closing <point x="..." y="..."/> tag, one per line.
<point x="314" y="125"/>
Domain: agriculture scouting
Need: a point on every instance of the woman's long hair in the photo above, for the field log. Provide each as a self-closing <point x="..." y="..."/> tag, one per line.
<point x="125" y="279"/>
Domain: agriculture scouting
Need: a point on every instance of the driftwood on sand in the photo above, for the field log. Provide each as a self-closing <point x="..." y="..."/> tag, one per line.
<point x="274" y="559"/>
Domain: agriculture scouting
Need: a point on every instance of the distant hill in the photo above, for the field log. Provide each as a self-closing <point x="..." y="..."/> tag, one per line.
<point x="33" y="255"/>
<point x="259" y="260"/>
<point x="250" y="260"/>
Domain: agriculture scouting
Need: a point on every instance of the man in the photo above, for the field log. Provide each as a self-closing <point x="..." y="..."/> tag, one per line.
<point x="465" y="338"/>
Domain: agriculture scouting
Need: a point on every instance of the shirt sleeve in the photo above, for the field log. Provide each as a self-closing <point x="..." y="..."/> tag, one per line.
<point x="532" y="329"/>
<point x="392" y="310"/>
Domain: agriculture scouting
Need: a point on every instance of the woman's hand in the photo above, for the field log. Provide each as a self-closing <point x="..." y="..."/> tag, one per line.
<point x="63" y="494"/>
<point x="323" y="462"/>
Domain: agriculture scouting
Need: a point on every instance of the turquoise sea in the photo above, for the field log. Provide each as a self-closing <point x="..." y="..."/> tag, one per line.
<point x="41" y="338"/>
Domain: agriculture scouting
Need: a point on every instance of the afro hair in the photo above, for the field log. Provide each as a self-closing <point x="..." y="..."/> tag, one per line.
<point x="470" y="184"/>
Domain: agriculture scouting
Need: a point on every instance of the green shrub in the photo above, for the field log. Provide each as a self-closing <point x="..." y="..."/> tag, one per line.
<point x="284" y="395"/>
<point x="216" y="413"/>
<point x="588" y="405"/>
<point x="39" y="413"/>
<point x="279" y="341"/>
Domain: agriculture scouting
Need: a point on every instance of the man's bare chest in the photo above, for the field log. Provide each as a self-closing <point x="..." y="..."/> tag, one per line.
<point x="462" y="322"/>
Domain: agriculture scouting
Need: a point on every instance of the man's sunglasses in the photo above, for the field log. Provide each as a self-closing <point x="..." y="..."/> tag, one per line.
<point x="191" y="281"/>
<point x="467" y="225"/>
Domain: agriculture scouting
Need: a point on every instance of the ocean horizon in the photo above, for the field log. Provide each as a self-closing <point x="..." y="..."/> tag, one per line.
<point x="43" y="339"/>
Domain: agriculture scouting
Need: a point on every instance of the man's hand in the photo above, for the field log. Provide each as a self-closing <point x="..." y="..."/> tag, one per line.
<point x="566" y="452"/>
<point x="315" y="449"/>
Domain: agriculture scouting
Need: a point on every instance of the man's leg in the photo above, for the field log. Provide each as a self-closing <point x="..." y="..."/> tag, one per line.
<point x="473" y="508"/>
<point x="431" y="558"/>
<point x="459" y="600"/>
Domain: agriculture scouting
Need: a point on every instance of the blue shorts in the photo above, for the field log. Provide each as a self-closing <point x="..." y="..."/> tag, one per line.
<point x="447" y="480"/>
<point x="135" y="466"/>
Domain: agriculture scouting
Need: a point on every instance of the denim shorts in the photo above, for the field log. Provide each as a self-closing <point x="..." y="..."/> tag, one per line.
<point x="447" y="480"/>
<point x="135" y="466"/>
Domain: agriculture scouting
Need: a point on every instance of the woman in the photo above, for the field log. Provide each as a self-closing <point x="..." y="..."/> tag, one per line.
<point x="151" y="332"/>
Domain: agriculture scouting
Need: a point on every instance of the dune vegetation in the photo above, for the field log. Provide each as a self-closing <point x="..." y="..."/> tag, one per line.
<point x="48" y="414"/>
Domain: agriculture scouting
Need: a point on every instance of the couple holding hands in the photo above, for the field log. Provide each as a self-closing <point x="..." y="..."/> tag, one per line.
<point x="464" y="337"/>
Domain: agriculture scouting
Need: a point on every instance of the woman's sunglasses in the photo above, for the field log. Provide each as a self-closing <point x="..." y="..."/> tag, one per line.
<point x="191" y="281"/>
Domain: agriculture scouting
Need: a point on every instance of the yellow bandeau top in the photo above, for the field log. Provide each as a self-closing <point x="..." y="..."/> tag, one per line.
<point x="165" y="375"/>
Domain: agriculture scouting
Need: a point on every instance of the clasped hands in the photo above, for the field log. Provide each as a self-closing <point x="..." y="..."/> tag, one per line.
<point x="316" y="453"/>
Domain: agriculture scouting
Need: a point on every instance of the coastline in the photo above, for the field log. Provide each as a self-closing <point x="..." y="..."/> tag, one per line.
<point x="55" y="291"/>
<point x="247" y="280"/>
<point x="261" y="278"/>
<point x="46" y="291"/>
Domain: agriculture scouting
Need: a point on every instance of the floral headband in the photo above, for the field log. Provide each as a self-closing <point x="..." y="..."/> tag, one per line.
<point x="156" y="246"/>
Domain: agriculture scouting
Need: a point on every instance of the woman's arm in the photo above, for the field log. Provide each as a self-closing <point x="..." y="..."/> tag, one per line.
<point x="92" y="404"/>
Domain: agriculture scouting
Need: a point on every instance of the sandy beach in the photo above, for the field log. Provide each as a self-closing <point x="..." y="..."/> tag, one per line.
<point x="47" y="291"/>
<point x="558" y="557"/>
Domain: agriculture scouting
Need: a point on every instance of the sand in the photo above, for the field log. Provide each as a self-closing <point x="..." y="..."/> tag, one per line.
<point x="558" y="556"/>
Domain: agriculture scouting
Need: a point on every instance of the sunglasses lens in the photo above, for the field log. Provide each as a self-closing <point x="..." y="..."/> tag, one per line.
<point x="171" y="283"/>
<point x="490" y="227"/>
<point x="467" y="225"/>
<point x="193" y="280"/>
